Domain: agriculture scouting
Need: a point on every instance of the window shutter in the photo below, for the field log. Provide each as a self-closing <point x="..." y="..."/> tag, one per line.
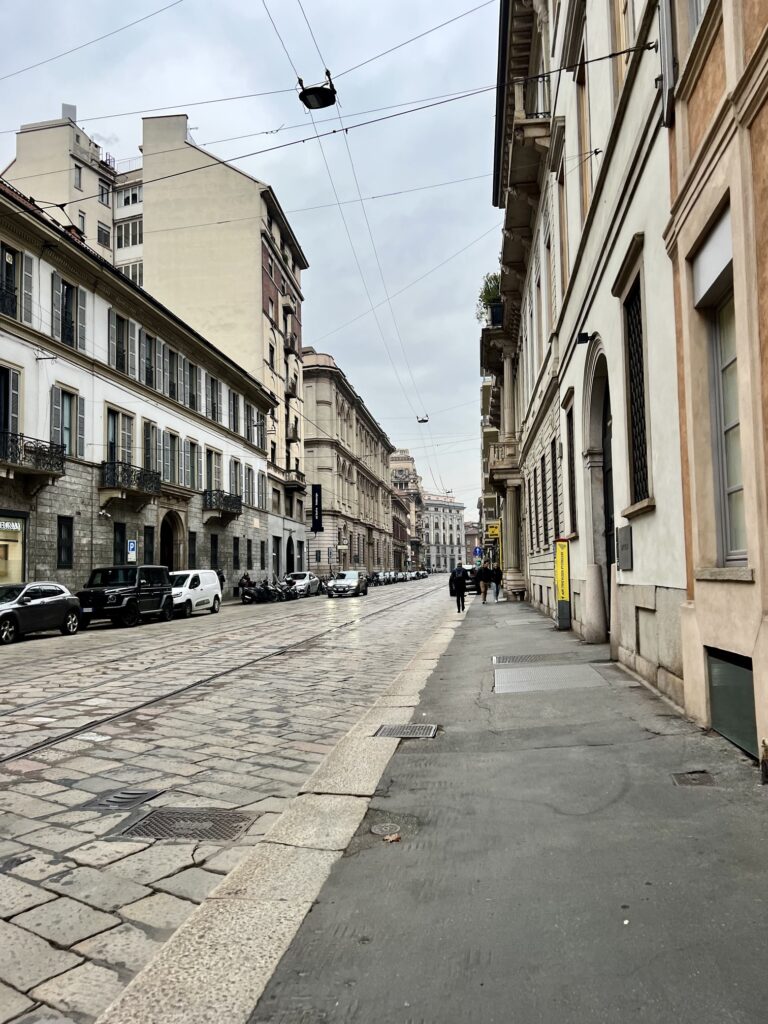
<point x="159" y="444"/>
<point x="208" y="396"/>
<point x="81" y="318"/>
<point x="14" y="418"/>
<point x="142" y="356"/>
<point x="112" y="338"/>
<point x="80" y="427"/>
<point x="127" y="423"/>
<point x="217" y="472"/>
<point x="187" y="473"/>
<point x="132" y="349"/>
<point x="199" y="386"/>
<point x="219" y="410"/>
<point x="56" y="306"/>
<point x="180" y="361"/>
<point x="159" y="349"/>
<point x="231" y="476"/>
<point x="166" y="372"/>
<point x="26" y="288"/>
<point x="166" y="456"/>
<point x="55" y="415"/>
<point x="231" y="409"/>
<point x="186" y="382"/>
<point x="199" y="480"/>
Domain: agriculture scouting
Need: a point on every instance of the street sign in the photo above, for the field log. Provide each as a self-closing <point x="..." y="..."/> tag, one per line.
<point x="132" y="548"/>
<point x="493" y="529"/>
<point x="317" y="508"/>
<point x="563" y="584"/>
<point x="477" y="552"/>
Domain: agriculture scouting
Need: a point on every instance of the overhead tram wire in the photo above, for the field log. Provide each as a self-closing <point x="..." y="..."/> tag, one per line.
<point x="90" y="42"/>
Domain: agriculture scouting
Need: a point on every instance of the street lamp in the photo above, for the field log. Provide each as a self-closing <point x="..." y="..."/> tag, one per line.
<point x="317" y="97"/>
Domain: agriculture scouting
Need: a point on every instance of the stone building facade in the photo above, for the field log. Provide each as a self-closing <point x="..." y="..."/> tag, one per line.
<point x="124" y="434"/>
<point x="443" y="537"/>
<point x="401" y="552"/>
<point x="406" y="483"/>
<point x="348" y="455"/>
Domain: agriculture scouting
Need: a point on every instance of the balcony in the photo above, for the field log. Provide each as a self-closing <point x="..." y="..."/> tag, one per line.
<point x="293" y="435"/>
<point x="295" y="480"/>
<point x="40" y="462"/>
<point x="504" y="463"/>
<point x="218" y="504"/>
<point x="120" y="481"/>
<point x="292" y="388"/>
<point x="292" y="343"/>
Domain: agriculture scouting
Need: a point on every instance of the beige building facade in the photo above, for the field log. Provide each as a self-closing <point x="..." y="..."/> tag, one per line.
<point x="406" y="483"/>
<point x="347" y="455"/>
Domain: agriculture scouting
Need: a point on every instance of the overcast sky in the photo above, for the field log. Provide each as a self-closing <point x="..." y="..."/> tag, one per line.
<point x="199" y="51"/>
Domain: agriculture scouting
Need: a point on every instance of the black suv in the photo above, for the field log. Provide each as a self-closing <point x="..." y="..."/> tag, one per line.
<point x="126" y="594"/>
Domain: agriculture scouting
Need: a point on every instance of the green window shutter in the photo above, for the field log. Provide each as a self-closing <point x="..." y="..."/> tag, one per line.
<point x="81" y="318"/>
<point x="219" y="410"/>
<point x="14" y="417"/>
<point x="166" y="455"/>
<point x="112" y="355"/>
<point x="26" y="288"/>
<point x="80" y="427"/>
<point x="199" y="480"/>
<point x="56" y="306"/>
<point x="55" y="415"/>
<point x="208" y="395"/>
<point x="142" y="356"/>
<point x="131" y="349"/>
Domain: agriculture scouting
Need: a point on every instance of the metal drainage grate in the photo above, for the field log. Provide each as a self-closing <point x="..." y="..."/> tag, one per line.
<point x="407" y="732"/>
<point x="191" y="823"/>
<point x="696" y="778"/>
<point x="546" y="678"/>
<point x="123" y="799"/>
<point x="518" y="659"/>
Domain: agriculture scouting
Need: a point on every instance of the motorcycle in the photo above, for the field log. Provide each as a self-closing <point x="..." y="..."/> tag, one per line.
<point x="248" y="590"/>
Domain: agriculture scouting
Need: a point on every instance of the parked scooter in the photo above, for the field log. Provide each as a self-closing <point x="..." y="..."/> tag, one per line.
<point x="248" y="589"/>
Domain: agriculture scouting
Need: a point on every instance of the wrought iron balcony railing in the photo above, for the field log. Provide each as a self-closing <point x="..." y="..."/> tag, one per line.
<point x="295" y="478"/>
<point x="222" y="501"/>
<point x="129" y="478"/>
<point x="31" y="454"/>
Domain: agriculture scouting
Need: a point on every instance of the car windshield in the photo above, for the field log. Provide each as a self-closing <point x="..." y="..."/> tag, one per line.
<point x="8" y="594"/>
<point x="179" y="579"/>
<point x="297" y="575"/>
<point x="115" y="576"/>
<point x="346" y="575"/>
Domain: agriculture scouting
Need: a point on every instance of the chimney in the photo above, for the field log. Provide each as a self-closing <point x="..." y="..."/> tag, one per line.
<point x="68" y="112"/>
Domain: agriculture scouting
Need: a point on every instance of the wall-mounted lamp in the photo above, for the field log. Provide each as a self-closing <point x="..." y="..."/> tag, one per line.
<point x="583" y="338"/>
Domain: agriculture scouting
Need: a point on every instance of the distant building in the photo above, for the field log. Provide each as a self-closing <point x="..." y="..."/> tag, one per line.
<point x="473" y="538"/>
<point x="347" y="453"/>
<point x="443" y="537"/>
<point x="406" y="483"/>
<point x="400" y="548"/>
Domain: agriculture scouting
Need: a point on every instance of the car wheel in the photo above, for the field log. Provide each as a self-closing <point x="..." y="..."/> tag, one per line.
<point x="71" y="623"/>
<point x="85" y="621"/>
<point x="216" y="605"/>
<point x="166" y="613"/>
<point x="9" y="631"/>
<point x="130" y="616"/>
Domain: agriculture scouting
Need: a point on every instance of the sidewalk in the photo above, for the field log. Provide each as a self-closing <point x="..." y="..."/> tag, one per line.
<point x="549" y="869"/>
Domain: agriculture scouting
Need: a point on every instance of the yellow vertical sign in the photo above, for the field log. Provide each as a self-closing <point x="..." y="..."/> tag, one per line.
<point x="562" y="571"/>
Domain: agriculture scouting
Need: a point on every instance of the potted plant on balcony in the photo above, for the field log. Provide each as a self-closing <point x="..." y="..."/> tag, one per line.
<point x="489" y="309"/>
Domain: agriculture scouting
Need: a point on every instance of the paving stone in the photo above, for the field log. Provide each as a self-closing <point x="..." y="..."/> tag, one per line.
<point x="44" y="1015"/>
<point x="91" y="765"/>
<point x="156" y="862"/>
<point x="101" y="852"/>
<point x="26" y="960"/>
<point x="263" y="824"/>
<point x="73" y="817"/>
<point x="8" y="848"/>
<point x="66" y="921"/>
<point x="161" y="911"/>
<point x="38" y="788"/>
<point x="41" y="865"/>
<point x="227" y="860"/>
<point x="103" y="824"/>
<point x="125" y="946"/>
<point x="270" y="803"/>
<point x="193" y="884"/>
<point x="71" y="797"/>
<point x="86" y="990"/>
<point x="54" y="838"/>
<point x="102" y="889"/>
<point x="12" y="1003"/>
<point x="274" y="872"/>
<point x="16" y="896"/>
<point x="25" y="806"/>
<point x="320" y="822"/>
<point x="94" y="785"/>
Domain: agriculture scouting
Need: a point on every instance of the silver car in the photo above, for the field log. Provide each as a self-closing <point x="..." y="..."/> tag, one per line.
<point x="349" y="583"/>
<point x="37" y="608"/>
<point x="305" y="583"/>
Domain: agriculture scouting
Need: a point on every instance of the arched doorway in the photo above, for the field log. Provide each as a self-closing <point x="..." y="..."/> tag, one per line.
<point x="289" y="557"/>
<point x="171" y="541"/>
<point x="598" y="496"/>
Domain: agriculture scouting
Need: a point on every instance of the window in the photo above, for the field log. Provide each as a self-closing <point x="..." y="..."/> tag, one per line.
<point x="299" y="509"/>
<point x="571" y="470"/>
<point x="129" y="232"/>
<point x="536" y="505"/>
<point x="261" y="497"/>
<point x="194" y="471"/>
<point x="78" y="177"/>
<point x="530" y="514"/>
<point x="273" y="453"/>
<point x="148" y="358"/>
<point x="103" y="234"/>
<point x="696" y="10"/>
<point x="213" y="470"/>
<point x="81" y="220"/>
<point x="122" y="343"/>
<point x="272" y="357"/>
<point x="192" y="549"/>
<point x="68" y="312"/>
<point x="103" y="192"/>
<point x="135" y="271"/>
<point x="584" y="132"/>
<point x="249" y="488"/>
<point x="276" y="507"/>
<point x="150" y="446"/>
<point x="170" y="470"/>
<point x="119" y="546"/>
<point x="623" y="30"/>
<point x="271" y="308"/>
<point x="728" y="459"/>
<point x="64" y="534"/>
<point x="262" y="554"/>
<point x="171" y="364"/>
<point x="638" y="438"/>
<point x="270" y="268"/>
<point x="193" y="383"/>
<point x="235" y="552"/>
<point x="129" y="196"/>
<point x="235" y="477"/>
<point x="555" y="493"/>
<point x="149" y="544"/>
<point x="249" y="554"/>
<point x="68" y="421"/>
<point x="214" y="551"/>
<point x="213" y="398"/>
<point x="234" y="412"/>
<point x="545" y="516"/>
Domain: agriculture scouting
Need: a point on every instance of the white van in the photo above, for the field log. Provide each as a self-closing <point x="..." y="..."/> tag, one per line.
<point x="195" y="590"/>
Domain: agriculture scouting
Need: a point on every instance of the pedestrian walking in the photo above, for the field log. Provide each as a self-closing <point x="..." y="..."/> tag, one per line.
<point x="458" y="583"/>
<point x="484" y="578"/>
<point x="496" y="580"/>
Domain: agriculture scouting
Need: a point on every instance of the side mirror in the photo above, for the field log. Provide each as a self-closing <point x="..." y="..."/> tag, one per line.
<point x="25" y="600"/>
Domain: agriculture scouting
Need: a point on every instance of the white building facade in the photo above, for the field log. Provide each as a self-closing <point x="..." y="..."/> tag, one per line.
<point x="443" y="538"/>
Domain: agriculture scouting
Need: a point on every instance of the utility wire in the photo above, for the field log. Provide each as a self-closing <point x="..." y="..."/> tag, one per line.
<point x="98" y="39"/>
<point x="282" y="43"/>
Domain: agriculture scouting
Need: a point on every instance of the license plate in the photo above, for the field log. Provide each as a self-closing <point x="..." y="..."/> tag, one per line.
<point x="86" y="611"/>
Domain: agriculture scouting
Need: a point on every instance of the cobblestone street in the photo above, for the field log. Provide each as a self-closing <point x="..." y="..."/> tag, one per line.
<point x="228" y="711"/>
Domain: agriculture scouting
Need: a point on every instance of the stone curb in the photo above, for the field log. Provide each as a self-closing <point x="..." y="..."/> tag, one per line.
<point x="215" y="967"/>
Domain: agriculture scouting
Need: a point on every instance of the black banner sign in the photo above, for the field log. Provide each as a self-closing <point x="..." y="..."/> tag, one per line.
<point x="317" y="508"/>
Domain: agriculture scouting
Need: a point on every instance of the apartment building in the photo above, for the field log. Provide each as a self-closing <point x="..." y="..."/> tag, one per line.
<point x="347" y="454"/>
<point x="401" y="551"/>
<point x="583" y="355"/>
<point x="208" y="241"/>
<point x="443" y="538"/>
<point x="115" y="439"/>
<point x="406" y="483"/>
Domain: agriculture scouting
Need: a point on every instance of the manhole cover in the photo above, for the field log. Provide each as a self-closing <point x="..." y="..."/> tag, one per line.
<point x="518" y="659"/>
<point x="191" y="823"/>
<point x="123" y="799"/>
<point x="386" y="828"/>
<point x="696" y="778"/>
<point x="407" y="732"/>
<point x="544" y="678"/>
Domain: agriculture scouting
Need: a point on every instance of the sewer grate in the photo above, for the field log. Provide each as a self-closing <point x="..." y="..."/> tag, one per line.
<point x="544" y="678"/>
<point x="407" y="732"/>
<point x="518" y="659"/>
<point x="123" y="799"/>
<point x="695" y="778"/>
<point x="191" y="823"/>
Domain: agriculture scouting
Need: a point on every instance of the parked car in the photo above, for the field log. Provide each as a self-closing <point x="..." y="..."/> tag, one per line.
<point x="36" y="608"/>
<point x="305" y="583"/>
<point x="349" y="583"/>
<point x="195" y="590"/>
<point x="126" y="594"/>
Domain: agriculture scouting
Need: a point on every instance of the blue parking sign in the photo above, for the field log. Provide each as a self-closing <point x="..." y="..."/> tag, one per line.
<point x="132" y="548"/>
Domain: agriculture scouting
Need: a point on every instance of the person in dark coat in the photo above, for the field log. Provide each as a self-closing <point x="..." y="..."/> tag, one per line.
<point x="496" y="578"/>
<point x="458" y="582"/>
<point x="485" y="577"/>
